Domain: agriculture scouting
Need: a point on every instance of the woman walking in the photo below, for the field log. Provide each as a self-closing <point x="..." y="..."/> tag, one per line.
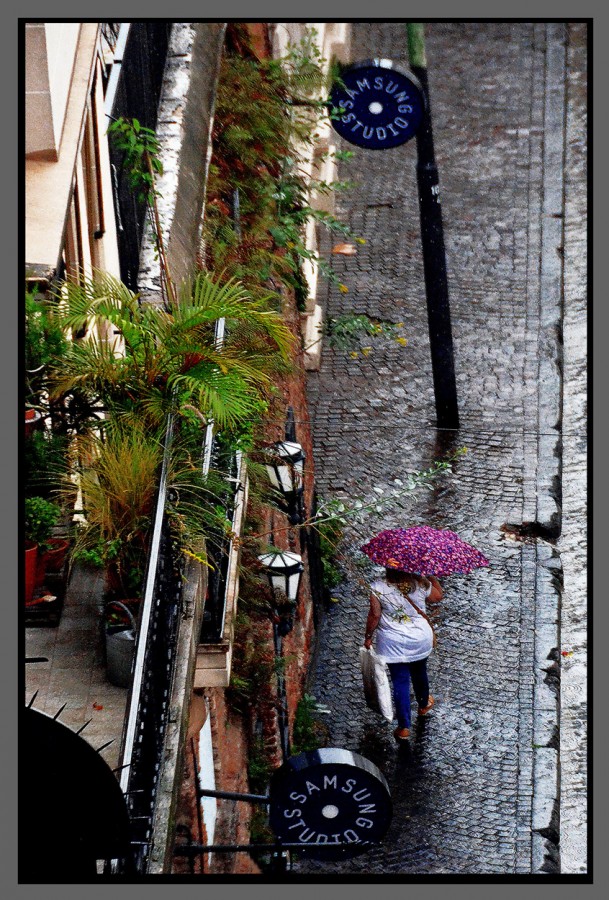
<point x="404" y="637"/>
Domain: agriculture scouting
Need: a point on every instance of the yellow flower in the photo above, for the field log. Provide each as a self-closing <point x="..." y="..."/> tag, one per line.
<point x="366" y="350"/>
<point x="402" y="341"/>
<point x="354" y="354"/>
<point x="343" y="288"/>
<point x="400" y="325"/>
<point x="360" y="240"/>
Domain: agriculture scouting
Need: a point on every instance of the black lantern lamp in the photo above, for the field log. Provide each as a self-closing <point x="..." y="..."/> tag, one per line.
<point x="283" y="569"/>
<point x="285" y="468"/>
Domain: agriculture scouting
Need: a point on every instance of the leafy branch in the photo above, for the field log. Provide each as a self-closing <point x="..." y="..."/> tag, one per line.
<point x="338" y="512"/>
<point x="346" y="332"/>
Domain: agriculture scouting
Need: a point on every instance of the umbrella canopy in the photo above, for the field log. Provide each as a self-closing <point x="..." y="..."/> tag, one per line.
<point x="424" y="551"/>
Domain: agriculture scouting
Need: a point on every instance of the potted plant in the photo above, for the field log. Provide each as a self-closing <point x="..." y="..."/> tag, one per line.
<point x="118" y="492"/>
<point x="41" y="516"/>
<point x="33" y="418"/>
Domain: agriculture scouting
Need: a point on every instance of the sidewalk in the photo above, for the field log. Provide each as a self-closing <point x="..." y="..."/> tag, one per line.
<point x="75" y="674"/>
<point x="476" y="792"/>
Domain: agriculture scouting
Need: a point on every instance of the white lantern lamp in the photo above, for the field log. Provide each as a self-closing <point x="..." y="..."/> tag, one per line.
<point x="283" y="570"/>
<point x="285" y="469"/>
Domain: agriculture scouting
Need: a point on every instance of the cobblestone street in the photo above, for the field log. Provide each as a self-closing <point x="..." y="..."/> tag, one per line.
<point x="476" y="791"/>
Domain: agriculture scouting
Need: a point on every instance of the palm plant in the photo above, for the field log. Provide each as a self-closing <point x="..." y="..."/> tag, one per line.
<point x="172" y="358"/>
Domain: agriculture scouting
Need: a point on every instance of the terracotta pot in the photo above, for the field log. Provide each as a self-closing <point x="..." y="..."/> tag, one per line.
<point x="31" y="566"/>
<point x="52" y="560"/>
<point x="32" y="421"/>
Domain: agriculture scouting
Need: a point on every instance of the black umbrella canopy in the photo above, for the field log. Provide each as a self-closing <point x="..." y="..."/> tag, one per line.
<point x="72" y="810"/>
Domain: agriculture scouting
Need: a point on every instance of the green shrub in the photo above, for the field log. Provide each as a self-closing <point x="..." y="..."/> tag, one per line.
<point x="259" y="767"/>
<point x="44" y="463"/>
<point x="330" y="535"/>
<point x="308" y="734"/>
<point x="41" y="516"/>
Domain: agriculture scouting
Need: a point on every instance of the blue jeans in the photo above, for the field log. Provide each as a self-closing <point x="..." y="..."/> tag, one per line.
<point x="401" y="674"/>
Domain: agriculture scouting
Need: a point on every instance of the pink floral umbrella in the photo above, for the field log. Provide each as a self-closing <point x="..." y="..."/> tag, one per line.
<point x="424" y="551"/>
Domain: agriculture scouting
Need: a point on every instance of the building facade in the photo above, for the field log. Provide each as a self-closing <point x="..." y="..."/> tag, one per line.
<point x="81" y="218"/>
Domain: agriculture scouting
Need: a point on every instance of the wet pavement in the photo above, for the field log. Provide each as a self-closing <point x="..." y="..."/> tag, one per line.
<point x="476" y="790"/>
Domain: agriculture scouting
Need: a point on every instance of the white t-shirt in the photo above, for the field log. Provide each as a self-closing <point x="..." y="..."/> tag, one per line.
<point x="402" y="634"/>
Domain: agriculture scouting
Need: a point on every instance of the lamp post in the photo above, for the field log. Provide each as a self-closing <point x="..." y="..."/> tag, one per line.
<point x="285" y="468"/>
<point x="378" y="105"/>
<point x="432" y="240"/>
<point x="283" y="570"/>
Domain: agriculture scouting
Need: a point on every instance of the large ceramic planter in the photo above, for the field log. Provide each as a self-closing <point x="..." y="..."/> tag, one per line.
<point x="53" y="559"/>
<point x="31" y="570"/>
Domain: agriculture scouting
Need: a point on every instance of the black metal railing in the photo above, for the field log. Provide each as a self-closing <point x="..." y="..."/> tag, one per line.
<point x="218" y="546"/>
<point x="149" y="699"/>
<point x="109" y="37"/>
<point x="137" y="97"/>
<point x="154" y="701"/>
<point x="156" y="648"/>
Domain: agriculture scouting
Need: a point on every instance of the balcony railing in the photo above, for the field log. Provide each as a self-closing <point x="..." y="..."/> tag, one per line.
<point x="155" y="656"/>
<point x="219" y="548"/>
<point x="136" y="96"/>
<point x="155" y="661"/>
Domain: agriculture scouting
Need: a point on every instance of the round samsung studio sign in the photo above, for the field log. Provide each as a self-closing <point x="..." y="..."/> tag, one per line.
<point x="332" y="802"/>
<point x="377" y="105"/>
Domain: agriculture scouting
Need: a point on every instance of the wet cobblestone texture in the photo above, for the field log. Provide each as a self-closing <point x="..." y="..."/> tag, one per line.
<point x="476" y="790"/>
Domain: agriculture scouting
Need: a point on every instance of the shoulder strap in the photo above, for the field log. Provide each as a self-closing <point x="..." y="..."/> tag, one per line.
<point x="421" y="613"/>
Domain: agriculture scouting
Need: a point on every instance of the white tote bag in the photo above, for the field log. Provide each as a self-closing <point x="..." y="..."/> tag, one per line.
<point x="377" y="689"/>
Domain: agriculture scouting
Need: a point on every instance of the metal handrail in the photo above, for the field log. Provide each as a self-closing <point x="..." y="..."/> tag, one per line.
<point x="151" y="576"/>
<point x="220" y="574"/>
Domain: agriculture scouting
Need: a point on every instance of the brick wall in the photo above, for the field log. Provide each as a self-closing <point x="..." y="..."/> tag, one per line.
<point x="232" y="732"/>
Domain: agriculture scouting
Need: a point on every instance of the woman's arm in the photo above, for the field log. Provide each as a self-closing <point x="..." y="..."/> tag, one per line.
<point x="436" y="589"/>
<point x="374" y="617"/>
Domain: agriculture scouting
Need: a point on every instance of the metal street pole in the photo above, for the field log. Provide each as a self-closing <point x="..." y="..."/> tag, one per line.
<point x="432" y="239"/>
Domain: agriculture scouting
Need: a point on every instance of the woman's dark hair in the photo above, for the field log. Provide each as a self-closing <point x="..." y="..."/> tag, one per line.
<point x="406" y="581"/>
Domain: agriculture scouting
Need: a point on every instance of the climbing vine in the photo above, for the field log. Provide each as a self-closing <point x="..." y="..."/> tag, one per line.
<point x="260" y="192"/>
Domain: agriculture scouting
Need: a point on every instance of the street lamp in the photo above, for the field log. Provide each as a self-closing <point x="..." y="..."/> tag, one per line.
<point x="283" y="570"/>
<point x="285" y="467"/>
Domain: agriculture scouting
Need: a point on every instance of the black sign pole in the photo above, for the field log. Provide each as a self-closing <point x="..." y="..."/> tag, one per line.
<point x="432" y="239"/>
